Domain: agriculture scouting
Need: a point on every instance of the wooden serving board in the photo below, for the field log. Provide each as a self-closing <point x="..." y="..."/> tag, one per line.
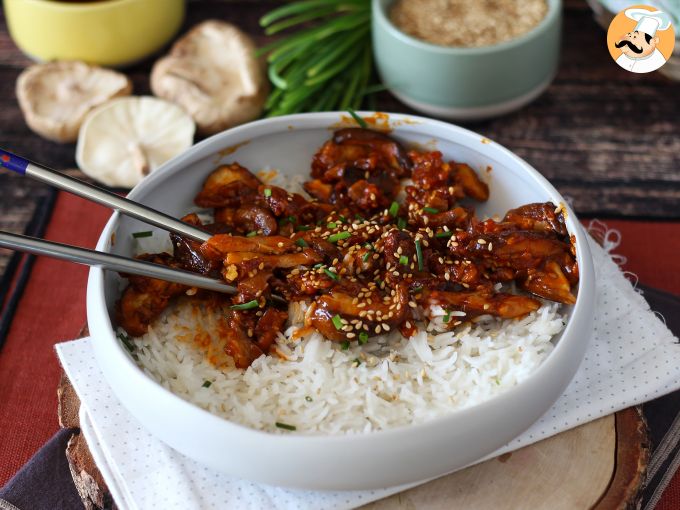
<point x="600" y="465"/>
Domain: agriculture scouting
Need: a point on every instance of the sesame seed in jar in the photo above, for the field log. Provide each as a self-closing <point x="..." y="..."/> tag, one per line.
<point x="462" y="23"/>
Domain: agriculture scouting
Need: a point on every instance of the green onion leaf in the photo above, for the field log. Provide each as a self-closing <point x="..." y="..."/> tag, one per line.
<point x="127" y="342"/>
<point x="331" y="274"/>
<point x="245" y="306"/>
<point x="339" y="237"/>
<point x="430" y="210"/>
<point x="139" y="235"/>
<point x="417" y="289"/>
<point x="303" y="228"/>
<point x="359" y="120"/>
<point x="267" y="192"/>
<point x="337" y="322"/>
<point x="317" y="266"/>
<point x="357" y="361"/>
<point x="207" y="384"/>
<point x="363" y="337"/>
<point x="332" y="224"/>
<point x="359" y="217"/>
<point x="285" y="426"/>
<point x="444" y="234"/>
<point x="301" y="243"/>
<point x="447" y="317"/>
<point x="401" y="223"/>
<point x="403" y="260"/>
<point x="365" y="257"/>
<point x="344" y="345"/>
<point x="342" y="218"/>
<point x="251" y="234"/>
<point x="394" y="209"/>
<point x="419" y="255"/>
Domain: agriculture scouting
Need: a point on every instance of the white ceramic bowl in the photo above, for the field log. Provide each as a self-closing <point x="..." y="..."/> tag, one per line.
<point x="368" y="461"/>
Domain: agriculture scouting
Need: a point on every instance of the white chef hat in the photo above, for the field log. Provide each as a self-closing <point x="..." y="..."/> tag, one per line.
<point x="649" y="21"/>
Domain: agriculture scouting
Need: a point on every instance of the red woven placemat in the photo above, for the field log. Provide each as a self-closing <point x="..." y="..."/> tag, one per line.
<point x="52" y="309"/>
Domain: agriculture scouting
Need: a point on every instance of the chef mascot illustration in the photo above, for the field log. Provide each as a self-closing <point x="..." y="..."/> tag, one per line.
<point x="639" y="53"/>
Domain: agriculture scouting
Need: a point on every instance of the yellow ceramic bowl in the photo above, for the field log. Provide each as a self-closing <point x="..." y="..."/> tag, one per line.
<point x="104" y="32"/>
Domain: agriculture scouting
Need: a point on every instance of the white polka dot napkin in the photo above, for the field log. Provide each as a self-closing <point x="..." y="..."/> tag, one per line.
<point x="632" y="358"/>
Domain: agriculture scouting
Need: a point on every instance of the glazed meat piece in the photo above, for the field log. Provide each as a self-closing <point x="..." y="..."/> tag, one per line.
<point x="237" y="343"/>
<point x="225" y="244"/>
<point x="145" y="298"/>
<point x="360" y="169"/>
<point x="187" y="252"/>
<point x="252" y="218"/>
<point x="227" y="186"/>
<point x="339" y="315"/>
<point x="269" y="326"/>
<point x="474" y="303"/>
<point x="440" y="185"/>
<point x="541" y="217"/>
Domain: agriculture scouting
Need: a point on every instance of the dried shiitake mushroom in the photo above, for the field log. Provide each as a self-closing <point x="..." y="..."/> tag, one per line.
<point x="212" y="72"/>
<point x="56" y="96"/>
<point x="123" y="140"/>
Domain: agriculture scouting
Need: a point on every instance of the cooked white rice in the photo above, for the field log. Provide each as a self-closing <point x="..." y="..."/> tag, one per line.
<point x="317" y="387"/>
<point x="320" y="388"/>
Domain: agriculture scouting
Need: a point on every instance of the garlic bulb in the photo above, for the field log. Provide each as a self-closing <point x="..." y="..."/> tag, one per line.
<point x="125" y="139"/>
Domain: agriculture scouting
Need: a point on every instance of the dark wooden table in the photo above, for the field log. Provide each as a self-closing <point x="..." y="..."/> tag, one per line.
<point x="606" y="138"/>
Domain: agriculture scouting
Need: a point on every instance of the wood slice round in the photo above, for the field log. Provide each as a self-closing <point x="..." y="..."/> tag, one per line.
<point x="600" y="465"/>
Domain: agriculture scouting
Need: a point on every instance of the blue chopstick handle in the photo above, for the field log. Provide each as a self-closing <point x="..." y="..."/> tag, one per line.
<point x="13" y="162"/>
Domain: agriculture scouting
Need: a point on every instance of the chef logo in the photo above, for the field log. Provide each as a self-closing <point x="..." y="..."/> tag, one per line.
<point x="641" y="38"/>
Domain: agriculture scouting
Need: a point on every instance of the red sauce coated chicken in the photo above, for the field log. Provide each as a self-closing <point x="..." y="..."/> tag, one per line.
<point x="365" y="263"/>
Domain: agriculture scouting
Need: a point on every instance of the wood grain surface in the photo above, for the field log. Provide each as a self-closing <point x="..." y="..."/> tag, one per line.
<point x="609" y="140"/>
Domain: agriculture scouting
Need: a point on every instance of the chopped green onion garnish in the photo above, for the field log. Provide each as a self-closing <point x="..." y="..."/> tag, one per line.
<point x="207" y="384"/>
<point x="126" y="342"/>
<point x="430" y="210"/>
<point x="357" y="361"/>
<point x="419" y="255"/>
<point x="303" y="228"/>
<point x="344" y="345"/>
<point x="308" y="398"/>
<point x="363" y="337"/>
<point x="342" y="218"/>
<point x="267" y="192"/>
<point x="251" y="234"/>
<point x="359" y="217"/>
<point x="369" y="246"/>
<point x="245" y="306"/>
<point x="366" y="255"/>
<point x="331" y="274"/>
<point x="301" y="243"/>
<point x="417" y="289"/>
<point x="337" y="322"/>
<point x="401" y="223"/>
<point x="339" y="237"/>
<point x="359" y="120"/>
<point x="403" y="260"/>
<point x="332" y="224"/>
<point x="285" y="426"/>
<point x="394" y="209"/>
<point x="447" y="317"/>
<point x="139" y="235"/>
<point x="317" y="266"/>
<point x="444" y="234"/>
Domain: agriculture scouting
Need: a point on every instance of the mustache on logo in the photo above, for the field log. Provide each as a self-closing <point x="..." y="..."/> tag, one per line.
<point x="626" y="42"/>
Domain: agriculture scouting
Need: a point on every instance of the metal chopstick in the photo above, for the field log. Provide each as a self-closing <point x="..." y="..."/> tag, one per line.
<point x="110" y="261"/>
<point x="88" y="191"/>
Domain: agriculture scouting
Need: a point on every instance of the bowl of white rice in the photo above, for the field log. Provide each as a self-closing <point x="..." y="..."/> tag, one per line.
<point x="317" y="416"/>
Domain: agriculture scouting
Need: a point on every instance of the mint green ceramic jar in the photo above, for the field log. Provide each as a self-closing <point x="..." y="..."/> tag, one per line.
<point x="467" y="83"/>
